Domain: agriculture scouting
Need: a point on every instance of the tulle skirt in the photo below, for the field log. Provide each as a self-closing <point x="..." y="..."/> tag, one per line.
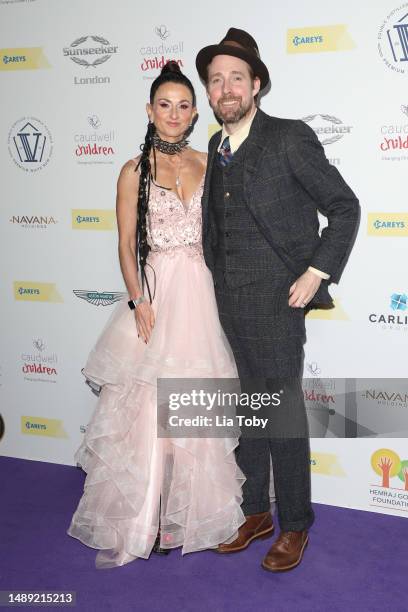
<point x="137" y="481"/>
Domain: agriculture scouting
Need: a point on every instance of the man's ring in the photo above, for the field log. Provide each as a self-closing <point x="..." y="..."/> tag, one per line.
<point x="302" y="304"/>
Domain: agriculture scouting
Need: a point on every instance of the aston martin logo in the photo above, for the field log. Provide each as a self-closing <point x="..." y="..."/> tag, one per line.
<point x="98" y="298"/>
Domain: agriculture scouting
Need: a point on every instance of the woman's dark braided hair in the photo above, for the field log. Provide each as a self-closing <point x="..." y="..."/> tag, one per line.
<point x="170" y="73"/>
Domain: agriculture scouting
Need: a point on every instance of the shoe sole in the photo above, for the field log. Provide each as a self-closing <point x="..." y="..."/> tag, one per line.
<point x="287" y="567"/>
<point x="262" y="535"/>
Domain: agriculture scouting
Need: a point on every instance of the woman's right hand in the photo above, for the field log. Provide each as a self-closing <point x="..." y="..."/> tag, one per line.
<point x="144" y="321"/>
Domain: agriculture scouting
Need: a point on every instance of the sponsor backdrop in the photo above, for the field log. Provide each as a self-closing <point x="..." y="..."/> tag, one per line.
<point x="74" y="86"/>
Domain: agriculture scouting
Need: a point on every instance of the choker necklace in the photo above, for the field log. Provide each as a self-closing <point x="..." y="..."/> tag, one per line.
<point x="170" y="148"/>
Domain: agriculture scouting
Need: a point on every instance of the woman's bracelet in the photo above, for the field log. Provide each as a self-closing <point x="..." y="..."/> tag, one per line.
<point x="135" y="303"/>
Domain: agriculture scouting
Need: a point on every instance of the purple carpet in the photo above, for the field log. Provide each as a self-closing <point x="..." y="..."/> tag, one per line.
<point x="355" y="560"/>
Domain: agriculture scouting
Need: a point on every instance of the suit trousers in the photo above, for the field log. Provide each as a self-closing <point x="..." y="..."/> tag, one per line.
<point x="267" y="336"/>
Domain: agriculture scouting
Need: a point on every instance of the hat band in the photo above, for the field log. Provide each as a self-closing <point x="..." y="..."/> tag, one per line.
<point x="233" y="43"/>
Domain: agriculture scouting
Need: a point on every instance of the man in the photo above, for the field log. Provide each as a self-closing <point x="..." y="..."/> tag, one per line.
<point x="266" y="179"/>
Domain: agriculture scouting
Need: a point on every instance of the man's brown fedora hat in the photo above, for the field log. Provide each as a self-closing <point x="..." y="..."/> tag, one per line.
<point x="237" y="43"/>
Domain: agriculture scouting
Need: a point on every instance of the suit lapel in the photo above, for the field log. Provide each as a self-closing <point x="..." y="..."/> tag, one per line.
<point x="255" y="150"/>
<point x="206" y="191"/>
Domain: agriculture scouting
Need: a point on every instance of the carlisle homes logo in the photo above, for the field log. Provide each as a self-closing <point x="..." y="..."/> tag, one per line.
<point x="98" y="298"/>
<point x="398" y="321"/>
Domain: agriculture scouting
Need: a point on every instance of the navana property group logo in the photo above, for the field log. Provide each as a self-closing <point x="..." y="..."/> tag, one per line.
<point x="30" y="144"/>
<point x="156" y="53"/>
<point x="33" y="221"/>
<point x="393" y="39"/>
<point x="391" y="492"/>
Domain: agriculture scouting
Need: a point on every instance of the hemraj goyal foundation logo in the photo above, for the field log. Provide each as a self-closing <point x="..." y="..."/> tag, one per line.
<point x="393" y="39"/>
<point x="387" y="464"/>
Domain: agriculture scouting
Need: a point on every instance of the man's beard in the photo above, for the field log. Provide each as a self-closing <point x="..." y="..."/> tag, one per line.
<point x="232" y="115"/>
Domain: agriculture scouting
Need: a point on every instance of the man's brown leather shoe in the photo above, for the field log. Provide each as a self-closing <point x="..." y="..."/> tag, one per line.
<point x="286" y="552"/>
<point x="256" y="526"/>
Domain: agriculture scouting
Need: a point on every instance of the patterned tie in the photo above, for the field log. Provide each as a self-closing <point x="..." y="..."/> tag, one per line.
<point x="224" y="154"/>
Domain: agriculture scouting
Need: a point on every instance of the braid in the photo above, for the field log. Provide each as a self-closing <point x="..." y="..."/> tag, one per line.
<point x="143" y="247"/>
<point x="170" y="73"/>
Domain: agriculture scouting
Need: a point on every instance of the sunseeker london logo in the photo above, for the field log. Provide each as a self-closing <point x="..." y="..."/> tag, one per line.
<point x="156" y="53"/>
<point x="328" y="128"/>
<point x="99" y="298"/>
<point x="30" y="144"/>
<point x="395" y="318"/>
<point x="393" y="39"/>
<point x="89" y="52"/>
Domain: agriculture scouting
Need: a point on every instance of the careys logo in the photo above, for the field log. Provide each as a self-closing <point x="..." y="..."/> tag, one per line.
<point x="30" y="291"/>
<point x="316" y="39"/>
<point x="387" y="224"/>
<point x="23" y="58"/>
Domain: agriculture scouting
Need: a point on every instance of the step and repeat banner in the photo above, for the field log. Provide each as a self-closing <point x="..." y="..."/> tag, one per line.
<point x="75" y="78"/>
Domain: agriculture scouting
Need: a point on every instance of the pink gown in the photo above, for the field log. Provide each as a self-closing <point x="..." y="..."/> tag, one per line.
<point x="135" y="480"/>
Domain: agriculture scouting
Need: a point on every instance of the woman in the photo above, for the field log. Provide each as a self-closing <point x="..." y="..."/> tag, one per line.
<point x="138" y="485"/>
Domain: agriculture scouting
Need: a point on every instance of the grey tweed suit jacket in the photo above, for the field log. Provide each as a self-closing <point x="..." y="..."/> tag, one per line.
<point x="287" y="180"/>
